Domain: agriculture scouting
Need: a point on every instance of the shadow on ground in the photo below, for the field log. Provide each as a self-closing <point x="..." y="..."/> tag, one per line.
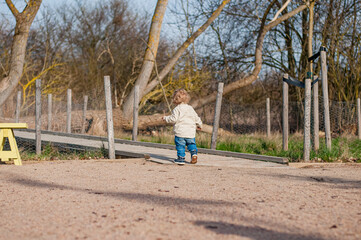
<point x="332" y="181"/>
<point x="141" y="197"/>
<point x="256" y="233"/>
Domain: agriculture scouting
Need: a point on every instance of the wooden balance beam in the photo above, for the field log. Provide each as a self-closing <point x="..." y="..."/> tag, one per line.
<point x="6" y="131"/>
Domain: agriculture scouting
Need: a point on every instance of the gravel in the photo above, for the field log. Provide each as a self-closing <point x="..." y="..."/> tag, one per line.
<point x="135" y="199"/>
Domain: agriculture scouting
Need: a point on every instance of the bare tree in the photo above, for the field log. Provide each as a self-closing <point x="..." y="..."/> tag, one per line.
<point x="127" y="110"/>
<point x="250" y="78"/>
<point x="24" y="20"/>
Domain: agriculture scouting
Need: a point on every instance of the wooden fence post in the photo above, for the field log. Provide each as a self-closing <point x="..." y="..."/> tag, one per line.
<point x="50" y="111"/>
<point x="285" y="114"/>
<point x="326" y="107"/>
<point x="268" y="109"/>
<point x="217" y="114"/>
<point x="85" y="107"/>
<point x="68" y="112"/>
<point x="359" y="117"/>
<point x="38" y="116"/>
<point x="135" y="113"/>
<point x="109" y="113"/>
<point x="18" y="105"/>
<point x="316" y="120"/>
<point x="307" y="122"/>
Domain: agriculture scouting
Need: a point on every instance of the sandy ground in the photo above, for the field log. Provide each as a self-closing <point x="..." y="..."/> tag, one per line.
<point x="135" y="199"/>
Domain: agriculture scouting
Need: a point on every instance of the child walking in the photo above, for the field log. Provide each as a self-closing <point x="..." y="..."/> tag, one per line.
<point x="185" y="121"/>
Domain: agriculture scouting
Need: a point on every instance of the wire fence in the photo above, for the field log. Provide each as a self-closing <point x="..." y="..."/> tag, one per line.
<point x="252" y="118"/>
<point x="235" y="118"/>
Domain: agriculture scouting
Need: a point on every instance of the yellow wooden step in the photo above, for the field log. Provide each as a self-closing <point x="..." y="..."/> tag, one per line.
<point x="13" y="125"/>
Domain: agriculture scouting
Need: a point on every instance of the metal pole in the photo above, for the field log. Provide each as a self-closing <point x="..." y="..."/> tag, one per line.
<point x="217" y="114"/>
<point x="359" y="117"/>
<point x="18" y="105"/>
<point x="50" y="111"/>
<point x="85" y="107"/>
<point x="135" y="113"/>
<point x="307" y="121"/>
<point x="285" y="114"/>
<point x="268" y="109"/>
<point x="326" y="107"/>
<point x="109" y="113"/>
<point x="38" y="116"/>
<point x="68" y="112"/>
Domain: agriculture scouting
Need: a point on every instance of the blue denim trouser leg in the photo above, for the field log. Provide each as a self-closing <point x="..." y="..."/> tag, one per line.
<point x="181" y="144"/>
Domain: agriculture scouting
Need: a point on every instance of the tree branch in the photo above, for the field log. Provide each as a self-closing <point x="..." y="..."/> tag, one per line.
<point x="244" y="81"/>
<point x="12" y="7"/>
<point x="279" y="11"/>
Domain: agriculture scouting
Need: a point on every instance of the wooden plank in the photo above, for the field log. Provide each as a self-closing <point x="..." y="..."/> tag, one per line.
<point x="307" y="121"/>
<point x="135" y="113"/>
<point x="326" y="108"/>
<point x="2" y="139"/>
<point x="18" y="105"/>
<point x="38" y="116"/>
<point x="248" y="156"/>
<point x="8" y="155"/>
<point x="268" y="114"/>
<point x="68" y="111"/>
<point x="316" y="121"/>
<point x="285" y="129"/>
<point x="217" y="114"/>
<point x="109" y="115"/>
<point x="85" y="107"/>
<point x="13" y="125"/>
<point x="50" y="111"/>
<point x="359" y="118"/>
<point x="78" y="147"/>
<point x="14" y="152"/>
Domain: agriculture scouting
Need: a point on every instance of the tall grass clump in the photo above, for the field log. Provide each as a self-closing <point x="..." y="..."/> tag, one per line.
<point x="343" y="149"/>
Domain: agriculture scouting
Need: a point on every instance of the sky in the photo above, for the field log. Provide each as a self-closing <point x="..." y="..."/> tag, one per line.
<point x="146" y="5"/>
<point x="138" y="6"/>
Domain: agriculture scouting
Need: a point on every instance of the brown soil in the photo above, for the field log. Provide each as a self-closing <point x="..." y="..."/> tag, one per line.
<point x="134" y="199"/>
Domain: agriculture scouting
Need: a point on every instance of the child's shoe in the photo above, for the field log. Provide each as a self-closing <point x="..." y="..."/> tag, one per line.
<point x="179" y="161"/>
<point x="194" y="159"/>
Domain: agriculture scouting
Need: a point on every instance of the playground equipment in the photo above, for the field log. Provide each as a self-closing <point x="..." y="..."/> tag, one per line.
<point x="6" y="131"/>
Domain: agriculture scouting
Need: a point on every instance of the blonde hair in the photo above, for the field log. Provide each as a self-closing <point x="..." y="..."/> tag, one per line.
<point x="181" y="96"/>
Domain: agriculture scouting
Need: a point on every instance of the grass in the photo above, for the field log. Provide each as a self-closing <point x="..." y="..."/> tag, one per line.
<point x="344" y="148"/>
<point x="51" y="152"/>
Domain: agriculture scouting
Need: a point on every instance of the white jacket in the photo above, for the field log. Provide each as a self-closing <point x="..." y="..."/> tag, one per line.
<point x="185" y="120"/>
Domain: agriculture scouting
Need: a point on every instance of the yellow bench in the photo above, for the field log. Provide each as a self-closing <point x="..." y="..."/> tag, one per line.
<point x="6" y="131"/>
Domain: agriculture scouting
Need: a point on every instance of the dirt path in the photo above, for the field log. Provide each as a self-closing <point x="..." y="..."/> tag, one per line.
<point x="134" y="199"/>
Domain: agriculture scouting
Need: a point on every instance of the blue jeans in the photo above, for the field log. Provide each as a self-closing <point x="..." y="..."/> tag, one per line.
<point x="181" y="143"/>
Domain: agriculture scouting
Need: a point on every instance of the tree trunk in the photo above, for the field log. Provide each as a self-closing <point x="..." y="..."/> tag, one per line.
<point x="149" y="57"/>
<point x="98" y="127"/>
<point x="18" y="48"/>
<point x="178" y="54"/>
<point x="290" y="53"/>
